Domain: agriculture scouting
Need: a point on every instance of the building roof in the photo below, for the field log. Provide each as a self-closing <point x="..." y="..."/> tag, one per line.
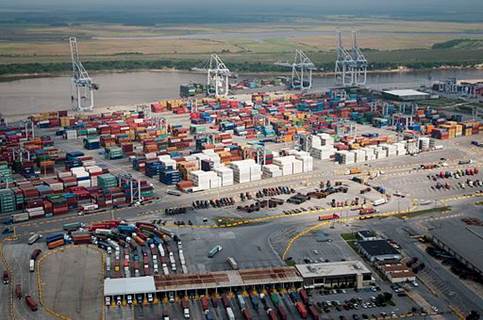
<point x="230" y="278"/>
<point x="400" y="274"/>
<point x="376" y="248"/>
<point x="456" y="235"/>
<point x="331" y="269"/>
<point x="394" y="267"/>
<point x="405" y="93"/>
<point x="367" y="233"/>
<point x="123" y="286"/>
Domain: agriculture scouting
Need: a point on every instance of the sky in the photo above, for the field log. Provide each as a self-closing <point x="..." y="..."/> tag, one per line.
<point x="437" y="9"/>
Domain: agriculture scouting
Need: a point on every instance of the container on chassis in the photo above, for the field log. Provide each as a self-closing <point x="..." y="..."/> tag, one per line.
<point x="55" y="244"/>
<point x="301" y="309"/>
<point x="31" y="303"/>
<point x="205" y="303"/>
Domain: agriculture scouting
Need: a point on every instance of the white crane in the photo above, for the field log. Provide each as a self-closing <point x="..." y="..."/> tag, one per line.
<point x="217" y="76"/>
<point x="360" y="72"/>
<point x="302" y="68"/>
<point x="82" y="85"/>
<point x="350" y="66"/>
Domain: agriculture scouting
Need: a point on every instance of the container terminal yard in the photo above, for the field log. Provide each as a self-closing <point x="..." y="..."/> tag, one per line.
<point x="335" y="204"/>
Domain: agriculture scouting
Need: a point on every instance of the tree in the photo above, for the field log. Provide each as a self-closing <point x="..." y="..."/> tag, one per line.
<point x="387" y="296"/>
<point x="473" y="315"/>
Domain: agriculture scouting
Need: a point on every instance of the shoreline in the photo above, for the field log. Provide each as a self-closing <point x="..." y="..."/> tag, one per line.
<point x="322" y="74"/>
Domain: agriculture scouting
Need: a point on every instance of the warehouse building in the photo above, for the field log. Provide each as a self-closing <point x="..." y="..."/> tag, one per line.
<point x="342" y="274"/>
<point x="453" y="236"/>
<point x="405" y="95"/>
<point x="378" y="250"/>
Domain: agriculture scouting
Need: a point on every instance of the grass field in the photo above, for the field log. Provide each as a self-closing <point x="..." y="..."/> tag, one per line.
<point x="387" y="43"/>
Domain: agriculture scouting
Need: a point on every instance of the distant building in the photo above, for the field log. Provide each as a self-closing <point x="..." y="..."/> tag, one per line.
<point x="378" y="250"/>
<point x="366" y="235"/>
<point x="396" y="272"/>
<point x="341" y="274"/>
<point x="405" y="95"/>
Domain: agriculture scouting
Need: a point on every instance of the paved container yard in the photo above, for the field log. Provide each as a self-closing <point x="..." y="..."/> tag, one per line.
<point x="72" y="282"/>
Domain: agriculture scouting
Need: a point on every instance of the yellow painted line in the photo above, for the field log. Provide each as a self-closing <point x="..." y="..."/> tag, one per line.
<point x="40" y="288"/>
<point x="457" y="312"/>
<point x="11" y="305"/>
<point x="301" y="234"/>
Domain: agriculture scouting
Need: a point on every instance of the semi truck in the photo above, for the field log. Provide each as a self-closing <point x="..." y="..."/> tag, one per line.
<point x="34" y="238"/>
<point x="18" y="291"/>
<point x="328" y="217"/>
<point x="214" y="251"/>
<point x="69" y="227"/>
<point x="232" y="262"/>
<point x="379" y="202"/>
<point x="31" y="303"/>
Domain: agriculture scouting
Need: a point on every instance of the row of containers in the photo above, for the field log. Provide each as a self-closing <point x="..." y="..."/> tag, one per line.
<point x="274" y="114"/>
<point x="264" y="116"/>
<point x="78" y="187"/>
<point x="211" y="169"/>
<point x="276" y="118"/>
<point x="362" y="149"/>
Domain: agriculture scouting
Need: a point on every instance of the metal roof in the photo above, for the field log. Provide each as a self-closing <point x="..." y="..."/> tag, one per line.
<point x="331" y="269"/>
<point x="377" y="248"/>
<point x="123" y="286"/>
<point x="465" y="240"/>
<point x="230" y="278"/>
<point x="405" y="92"/>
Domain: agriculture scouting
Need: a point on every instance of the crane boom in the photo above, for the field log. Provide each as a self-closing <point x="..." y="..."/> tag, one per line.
<point x="302" y="68"/>
<point x="82" y="85"/>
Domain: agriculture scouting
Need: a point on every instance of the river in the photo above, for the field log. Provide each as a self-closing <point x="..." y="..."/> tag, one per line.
<point x="27" y="96"/>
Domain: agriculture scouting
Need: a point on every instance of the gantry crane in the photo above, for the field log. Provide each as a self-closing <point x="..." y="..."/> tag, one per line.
<point x="360" y="72"/>
<point x="217" y="76"/>
<point x="350" y="66"/>
<point x="82" y="85"/>
<point x="302" y="68"/>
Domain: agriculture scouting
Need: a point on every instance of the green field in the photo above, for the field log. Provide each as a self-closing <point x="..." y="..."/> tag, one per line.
<point x="388" y="44"/>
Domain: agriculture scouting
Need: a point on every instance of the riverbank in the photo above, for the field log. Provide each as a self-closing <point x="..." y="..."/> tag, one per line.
<point x="14" y="77"/>
<point x="42" y="94"/>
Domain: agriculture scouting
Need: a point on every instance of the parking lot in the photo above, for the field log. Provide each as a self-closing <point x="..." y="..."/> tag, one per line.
<point x="340" y="304"/>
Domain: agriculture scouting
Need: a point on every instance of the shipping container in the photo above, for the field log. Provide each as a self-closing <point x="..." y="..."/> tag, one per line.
<point x="301" y="309"/>
<point x="33" y="238"/>
<point x="31" y="303"/>
<point x="55" y="244"/>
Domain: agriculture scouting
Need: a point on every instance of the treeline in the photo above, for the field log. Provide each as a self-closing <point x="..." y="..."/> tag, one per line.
<point x="32" y="68"/>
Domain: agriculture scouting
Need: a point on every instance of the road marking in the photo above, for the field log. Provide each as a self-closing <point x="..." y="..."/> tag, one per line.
<point x="348" y="219"/>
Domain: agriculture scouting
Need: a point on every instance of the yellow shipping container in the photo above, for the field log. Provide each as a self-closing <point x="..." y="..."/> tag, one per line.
<point x="451" y="133"/>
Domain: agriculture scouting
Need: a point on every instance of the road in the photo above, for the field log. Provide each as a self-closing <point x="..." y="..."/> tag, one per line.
<point x="446" y="284"/>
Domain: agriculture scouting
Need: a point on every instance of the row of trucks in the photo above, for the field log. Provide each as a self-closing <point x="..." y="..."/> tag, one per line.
<point x="29" y="301"/>
<point x="276" y="310"/>
<point x="459" y="173"/>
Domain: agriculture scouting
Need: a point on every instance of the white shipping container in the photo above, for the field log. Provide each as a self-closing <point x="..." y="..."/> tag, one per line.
<point x="36" y="214"/>
<point x="297" y="166"/>
<point x="84" y="183"/>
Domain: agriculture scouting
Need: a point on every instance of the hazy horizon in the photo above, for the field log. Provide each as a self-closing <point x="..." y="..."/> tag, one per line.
<point x="128" y="11"/>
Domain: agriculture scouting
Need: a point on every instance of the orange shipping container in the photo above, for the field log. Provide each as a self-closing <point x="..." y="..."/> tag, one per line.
<point x="55" y="244"/>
